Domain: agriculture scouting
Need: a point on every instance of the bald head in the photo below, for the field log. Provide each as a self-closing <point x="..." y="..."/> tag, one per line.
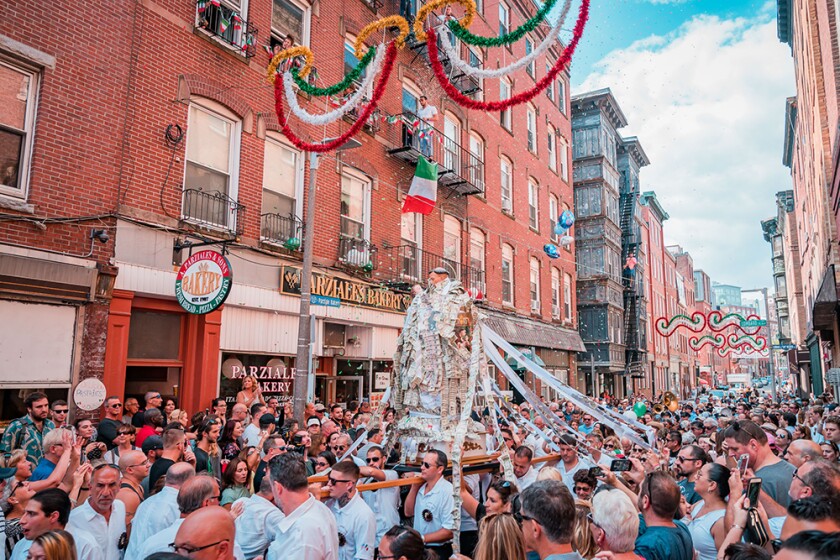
<point x="178" y="474"/>
<point x="206" y="526"/>
<point x="131" y="458"/>
<point x="801" y="451"/>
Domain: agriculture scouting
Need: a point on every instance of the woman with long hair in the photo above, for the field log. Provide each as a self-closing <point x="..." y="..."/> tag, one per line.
<point x="23" y="468"/>
<point x="801" y="432"/>
<point x="53" y="545"/>
<point x="499" y="499"/>
<point x="318" y="445"/>
<point x="583" y="540"/>
<point x="706" y="525"/>
<point x="169" y="406"/>
<point x="13" y="507"/>
<point x="84" y="430"/>
<point x="250" y="392"/>
<point x="236" y="482"/>
<point x="404" y="543"/>
<point x="830" y="451"/>
<point x="229" y="442"/>
<point x="499" y="538"/>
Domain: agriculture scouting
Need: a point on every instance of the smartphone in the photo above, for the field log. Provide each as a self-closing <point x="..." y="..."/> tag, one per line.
<point x="621" y="465"/>
<point x="596" y="471"/>
<point x="753" y="490"/>
<point x="743" y="463"/>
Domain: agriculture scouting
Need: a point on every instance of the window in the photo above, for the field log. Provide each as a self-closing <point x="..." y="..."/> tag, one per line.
<point x="477" y="256"/>
<point x="504" y="93"/>
<point x="507" y="274"/>
<point x="567" y="297"/>
<point x="18" y="94"/>
<point x="452" y="143"/>
<point x="475" y="60"/>
<point x="476" y="171"/>
<point x="549" y="91"/>
<point x="569" y="246"/>
<point x="553" y="216"/>
<point x="504" y="19"/>
<point x="535" y="284"/>
<point x="354" y="207"/>
<point x="561" y="95"/>
<point x="410" y="97"/>
<point x="588" y="201"/>
<point x="350" y="60"/>
<point x="529" y="48"/>
<point x="533" y="204"/>
<point x="452" y="245"/>
<point x="479" y="6"/>
<point x="555" y="293"/>
<point x="210" y="177"/>
<point x="290" y="17"/>
<point x="506" y="183"/>
<point x="532" y="129"/>
<point x="564" y="159"/>
<point x="411" y="232"/>
<point x="552" y="151"/>
<point x="282" y="189"/>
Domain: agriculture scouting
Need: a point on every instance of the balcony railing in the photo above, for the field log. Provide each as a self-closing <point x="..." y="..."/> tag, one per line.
<point x="373" y="123"/>
<point x="405" y="265"/>
<point x="227" y="25"/>
<point x="458" y="168"/>
<point x="357" y="253"/>
<point x="213" y="209"/>
<point x="282" y="230"/>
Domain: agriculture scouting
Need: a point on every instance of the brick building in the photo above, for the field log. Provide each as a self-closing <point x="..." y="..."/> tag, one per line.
<point x="164" y="140"/>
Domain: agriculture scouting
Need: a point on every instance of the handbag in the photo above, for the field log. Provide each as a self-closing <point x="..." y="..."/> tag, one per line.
<point x="755" y="532"/>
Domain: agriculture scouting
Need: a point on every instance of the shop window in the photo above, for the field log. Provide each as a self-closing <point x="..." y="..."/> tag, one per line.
<point x="154" y="336"/>
<point x="275" y="375"/>
<point x="18" y="95"/>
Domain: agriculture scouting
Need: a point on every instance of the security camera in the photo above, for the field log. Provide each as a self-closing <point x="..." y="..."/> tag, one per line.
<point x="100" y="234"/>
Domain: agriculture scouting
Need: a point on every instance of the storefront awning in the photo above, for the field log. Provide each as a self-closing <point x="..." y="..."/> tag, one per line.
<point x="825" y="305"/>
<point x="523" y="331"/>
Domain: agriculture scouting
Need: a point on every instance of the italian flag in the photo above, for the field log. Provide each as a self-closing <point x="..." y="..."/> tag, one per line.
<point x="423" y="191"/>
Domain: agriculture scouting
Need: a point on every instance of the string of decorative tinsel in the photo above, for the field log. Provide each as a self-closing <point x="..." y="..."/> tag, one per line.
<point x="506" y="39"/>
<point x="348" y="80"/>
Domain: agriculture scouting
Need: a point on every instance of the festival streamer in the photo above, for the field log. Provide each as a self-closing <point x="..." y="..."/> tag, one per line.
<point x="747" y="342"/>
<point x="525" y="96"/>
<point x="378" y="25"/>
<point x="426" y="9"/>
<point x="352" y="102"/>
<point x="715" y="340"/>
<point x="348" y="80"/>
<point x="508" y="38"/>
<point x="293" y="52"/>
<point x="695" y="323"/>
<point x="717" y="322"/>
<point x="354" y="128"/>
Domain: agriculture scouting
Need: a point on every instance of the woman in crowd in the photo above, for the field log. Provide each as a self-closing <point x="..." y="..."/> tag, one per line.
<point x="169" y="406"/>
<point x="250" y="392"/>
<point x="53" y="545"/>
<point x="612" y="446"/>
<point x="317" y="446"/>
<point x="615" y="525"/>
<point x="323" y="461"/>
<point x="404" y="543"/>
<point x="229" y="442"/>
<point x="783" y="439"/>
<point x="583" y="539"/>
<point x="801" y="432"/>
<point x="179" y="416"/>
<point x="13" y="510"/>
<point x="706" y="525"/>
<point x="125" y="442"/>
<point x="84" y="430"/>
<point x="499" y="499"/>
<point x="236" y="482"/>
<point x="830" y="451"/>
<point x="500" y="538"/>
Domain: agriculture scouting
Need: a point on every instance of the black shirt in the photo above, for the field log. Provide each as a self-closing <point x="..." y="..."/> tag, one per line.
<point x="107" y="432"/>
<point x="159" y="469"/>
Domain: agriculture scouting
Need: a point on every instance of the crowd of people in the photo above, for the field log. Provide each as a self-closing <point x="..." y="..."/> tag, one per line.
<point x="742" y="478"/>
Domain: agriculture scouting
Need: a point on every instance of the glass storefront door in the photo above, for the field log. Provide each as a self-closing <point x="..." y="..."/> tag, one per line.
<point x="339" y="389"/>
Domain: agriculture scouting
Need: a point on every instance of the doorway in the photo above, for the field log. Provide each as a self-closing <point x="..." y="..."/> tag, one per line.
<point x="339" y="389"/>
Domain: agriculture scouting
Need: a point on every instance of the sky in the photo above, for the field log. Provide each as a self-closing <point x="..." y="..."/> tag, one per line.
<point x="703" y="85"/>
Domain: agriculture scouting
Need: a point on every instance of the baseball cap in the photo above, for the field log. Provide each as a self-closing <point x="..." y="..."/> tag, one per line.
<point x="313" y="422"/>
<point x="320" y="408"/>
<point x="152" y="443"/>
<point x="266" y="419"/>
<point x="440" y="270"/>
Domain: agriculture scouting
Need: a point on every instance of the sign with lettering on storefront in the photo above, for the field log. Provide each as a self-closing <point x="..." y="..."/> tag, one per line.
<point x="346" y="291"/>
<point x="203" y="282"/>
<point x="273" y="380"/>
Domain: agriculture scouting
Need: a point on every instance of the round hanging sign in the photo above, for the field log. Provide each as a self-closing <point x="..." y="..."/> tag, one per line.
<point x="203" y="282"/>
<point x="89" y="394"/>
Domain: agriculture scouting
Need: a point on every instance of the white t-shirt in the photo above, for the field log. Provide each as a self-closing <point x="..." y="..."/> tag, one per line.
<point x="439" y="503"/>
<point x="427" y="113"/>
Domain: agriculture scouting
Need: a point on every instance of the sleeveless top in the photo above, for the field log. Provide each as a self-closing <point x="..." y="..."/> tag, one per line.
<point x="701" y="532"/>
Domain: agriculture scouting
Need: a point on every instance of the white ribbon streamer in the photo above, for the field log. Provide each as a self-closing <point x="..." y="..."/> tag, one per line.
<point x="354" y="101"/>
<point x="462" y="65"/>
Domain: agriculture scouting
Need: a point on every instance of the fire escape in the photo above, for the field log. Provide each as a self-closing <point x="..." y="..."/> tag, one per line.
<point x="635" y="353"/>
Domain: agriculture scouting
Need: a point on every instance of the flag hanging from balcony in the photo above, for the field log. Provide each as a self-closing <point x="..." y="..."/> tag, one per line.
<point x="422" y="194"/>
<point x="223" y="24"/>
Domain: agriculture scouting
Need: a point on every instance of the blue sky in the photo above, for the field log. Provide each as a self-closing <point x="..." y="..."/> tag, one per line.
<point x="703" y="85"/>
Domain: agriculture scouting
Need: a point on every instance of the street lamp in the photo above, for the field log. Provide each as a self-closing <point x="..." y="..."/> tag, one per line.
<point x="304" y="354"/>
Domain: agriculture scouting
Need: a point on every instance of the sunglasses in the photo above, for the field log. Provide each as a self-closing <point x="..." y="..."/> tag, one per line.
<point x="427" y="465"/>
<point x="116" y="405"/>
<point x="333" y="481"/>
<point x="322" y="464"/>
<point x="582" y="489"/>
<point x="591" y="520"/>
<point x="372" y="460"/>
<point x="62" y="411"/>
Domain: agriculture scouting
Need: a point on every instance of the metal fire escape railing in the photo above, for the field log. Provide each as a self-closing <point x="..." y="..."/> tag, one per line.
<point x="227" y="25"/>
<point x="405" y="265"/>
<point x="635" y="355"/>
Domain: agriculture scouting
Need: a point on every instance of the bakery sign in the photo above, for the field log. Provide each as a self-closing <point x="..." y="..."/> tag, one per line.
<point x="347" y="291"/>
<point x="203" y="282"/>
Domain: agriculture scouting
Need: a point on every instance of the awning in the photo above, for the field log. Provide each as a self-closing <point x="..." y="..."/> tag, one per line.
<point x="523" y="331"/>
<point x="825" y="305"/>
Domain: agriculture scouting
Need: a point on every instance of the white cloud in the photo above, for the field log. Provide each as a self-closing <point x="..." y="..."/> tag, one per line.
<point x="707" y="103"/>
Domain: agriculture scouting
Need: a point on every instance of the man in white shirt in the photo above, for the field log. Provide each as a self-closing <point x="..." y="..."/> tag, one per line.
<point x="158" y="512"/>
<point x="430" y="502"/>
<point x="570" y="463"/>
<point x="428" y="115"/>
<point x="260" y="518"/>
<point x="353" y="517"/>
<point x="385" y="502"/>
<point x="251" y="434"/>
<point x="49" y="510"/>
<point x="309" y="530"/>
<point x="522" y="469"/>
<point x="207" y="533"/>
<point x="102" y="515"/>
<point x="197" y="492"/>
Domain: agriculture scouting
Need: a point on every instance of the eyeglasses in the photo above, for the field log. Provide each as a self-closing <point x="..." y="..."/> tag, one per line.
<point x="143" y="464"/>
<point x="187" y="550"/>
<point x="582" y="489"/>
<point x="591" y="519"/>
<point x="523" y="517"/>
<point x="800" y="479"/>
<point x="62" y="411"/>
<point x="333" y="481"/>
<point x="372" y="460"/>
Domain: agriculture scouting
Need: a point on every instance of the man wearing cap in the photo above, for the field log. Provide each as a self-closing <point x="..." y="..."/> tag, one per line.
<point x="153" y="449"/>
<point x="320" y="410"/>
<point x="313" y="426"/>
